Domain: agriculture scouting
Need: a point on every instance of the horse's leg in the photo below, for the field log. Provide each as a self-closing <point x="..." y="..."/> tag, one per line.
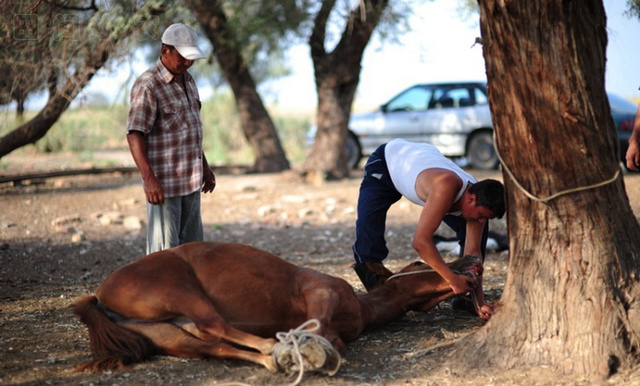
<point x="169" y="289"/>
<point x="204" y="322"/>
<point x="321" y="303"/>
<point x="173" y="341"/>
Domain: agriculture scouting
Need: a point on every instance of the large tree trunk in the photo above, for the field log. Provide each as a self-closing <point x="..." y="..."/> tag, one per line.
<point x="256" y="123"/>
<point x="337" y="75"/>
<point x="571" y="301"/>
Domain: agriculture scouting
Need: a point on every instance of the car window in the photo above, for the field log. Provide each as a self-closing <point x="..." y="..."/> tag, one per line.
<point x="480" y="97"/>
<point x="451" y="97"/>
<point x="414" y="99"/>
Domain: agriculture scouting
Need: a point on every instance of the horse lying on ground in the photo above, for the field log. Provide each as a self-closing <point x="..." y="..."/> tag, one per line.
<point x="228" y="300"/>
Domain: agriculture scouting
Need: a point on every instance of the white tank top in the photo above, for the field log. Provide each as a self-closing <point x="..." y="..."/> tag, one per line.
<point x="406" y="160"/>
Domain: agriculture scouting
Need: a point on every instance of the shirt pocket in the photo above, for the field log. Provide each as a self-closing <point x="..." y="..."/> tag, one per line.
<point x="172" y="117"/>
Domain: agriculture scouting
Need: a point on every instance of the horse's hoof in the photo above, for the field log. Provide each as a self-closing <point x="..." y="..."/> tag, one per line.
<point x="313" y="355"/>
<point x="320" y="355"/>
<point x="282" y="355"/>
<point x="332" y="364"/>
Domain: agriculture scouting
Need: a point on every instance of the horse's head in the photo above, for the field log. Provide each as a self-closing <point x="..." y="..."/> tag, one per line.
<point x="427" y="286"/>
<point x="468" y="265"/>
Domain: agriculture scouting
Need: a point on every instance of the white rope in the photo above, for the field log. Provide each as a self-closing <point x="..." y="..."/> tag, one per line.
<point x="555" y="195"/>
<point x="295" y="337"/>
<point x="409" y="273"/>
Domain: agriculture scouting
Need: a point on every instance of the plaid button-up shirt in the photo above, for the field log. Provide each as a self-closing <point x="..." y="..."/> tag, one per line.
<point x="170" y="120"/>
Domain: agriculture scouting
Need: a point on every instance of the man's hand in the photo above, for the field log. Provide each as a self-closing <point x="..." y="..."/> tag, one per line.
<point x="485" y="312"/>
<point x="153" y="190"/>
<point x="633" y="156"/>
<point x="461" y="284"/>
<point x="208" y="180"/>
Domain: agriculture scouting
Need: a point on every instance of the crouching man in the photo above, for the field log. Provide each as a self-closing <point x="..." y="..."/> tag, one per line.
<point x="419" y="172"/>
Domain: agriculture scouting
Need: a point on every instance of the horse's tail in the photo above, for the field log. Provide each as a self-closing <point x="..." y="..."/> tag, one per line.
<point x="113" y="345"/>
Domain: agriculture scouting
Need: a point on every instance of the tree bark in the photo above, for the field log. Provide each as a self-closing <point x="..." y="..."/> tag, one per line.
<point x="337" y="74"/>
<point x="256" y="123"/>
<point x="571" y="298"/>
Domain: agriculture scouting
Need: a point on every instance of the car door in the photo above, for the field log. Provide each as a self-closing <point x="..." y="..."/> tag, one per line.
<point x="454" y="113"/>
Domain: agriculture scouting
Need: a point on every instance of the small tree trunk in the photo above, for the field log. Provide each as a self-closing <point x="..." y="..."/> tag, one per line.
<point x="571" y="297"/>
<point x="328" y="155"/>
<point x="60" y="98"/>
<point x="255" y="121"/>
<point x="337" y="76"/>
<point x="20" y="109"/>
<point x="58" y="102"/>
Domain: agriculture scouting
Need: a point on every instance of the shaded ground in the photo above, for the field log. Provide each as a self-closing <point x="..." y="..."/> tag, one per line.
<point x="60" y="238"/>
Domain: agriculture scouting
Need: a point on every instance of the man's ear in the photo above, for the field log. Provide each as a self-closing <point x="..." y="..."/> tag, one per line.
<point x="472" y="199"/>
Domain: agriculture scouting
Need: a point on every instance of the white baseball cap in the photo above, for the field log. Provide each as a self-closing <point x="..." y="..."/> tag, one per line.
<point x="184" y="39"/>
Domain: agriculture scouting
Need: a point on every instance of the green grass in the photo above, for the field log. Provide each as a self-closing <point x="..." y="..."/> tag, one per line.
<point x="86" y="130"/>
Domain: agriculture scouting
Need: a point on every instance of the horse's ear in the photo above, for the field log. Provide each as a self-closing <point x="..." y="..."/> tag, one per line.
<point x="380" y="270"/>
<point x="412" y="266"/>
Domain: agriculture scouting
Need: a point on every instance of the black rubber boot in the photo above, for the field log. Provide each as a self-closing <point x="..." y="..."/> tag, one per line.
<point x="368" y="278"/>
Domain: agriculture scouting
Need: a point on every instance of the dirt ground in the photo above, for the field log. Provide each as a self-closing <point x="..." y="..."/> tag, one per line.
<point x="59" y="238"/>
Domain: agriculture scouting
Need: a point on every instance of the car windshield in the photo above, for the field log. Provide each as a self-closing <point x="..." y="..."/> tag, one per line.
<point x="424" y="97"/>
<point x="414" y="99"/>
<point x="620" y="105"/>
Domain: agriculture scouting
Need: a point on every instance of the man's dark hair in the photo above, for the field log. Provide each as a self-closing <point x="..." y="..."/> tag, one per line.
<point x="490" y="194"/>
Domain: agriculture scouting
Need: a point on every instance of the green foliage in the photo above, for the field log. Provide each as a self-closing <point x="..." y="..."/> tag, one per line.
<point x="84" y="129"/>
<point x="224" y="141"/>
<point x="68" y="31"/>
<point x="634" y="8"/>
<point x="89" y="129"/>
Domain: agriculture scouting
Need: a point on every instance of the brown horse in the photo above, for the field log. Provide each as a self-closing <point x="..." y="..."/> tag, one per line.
<point x="229" y="300"/>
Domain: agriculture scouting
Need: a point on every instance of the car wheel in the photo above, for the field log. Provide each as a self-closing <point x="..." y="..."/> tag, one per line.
<point x="354" y="152"/>
<point x="481" y="153"/>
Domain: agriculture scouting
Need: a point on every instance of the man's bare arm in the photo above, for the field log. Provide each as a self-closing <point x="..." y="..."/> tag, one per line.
<point x="440" y="190"/>
<point x="150" y="184"/>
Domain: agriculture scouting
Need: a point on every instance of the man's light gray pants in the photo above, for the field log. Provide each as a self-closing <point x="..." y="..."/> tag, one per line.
<point x="175" y="222"/>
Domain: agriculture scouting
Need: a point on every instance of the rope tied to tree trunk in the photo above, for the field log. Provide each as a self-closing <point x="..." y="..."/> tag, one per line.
<point x="555" y="195"/>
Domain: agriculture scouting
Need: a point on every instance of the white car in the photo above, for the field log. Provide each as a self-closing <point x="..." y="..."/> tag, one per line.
<point x="455" y="117"/>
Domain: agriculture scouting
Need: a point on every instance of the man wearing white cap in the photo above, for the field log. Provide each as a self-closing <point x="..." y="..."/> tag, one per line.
<point x="164" y="132"/>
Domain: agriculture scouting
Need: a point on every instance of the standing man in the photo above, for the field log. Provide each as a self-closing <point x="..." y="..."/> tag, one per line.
<point x="419" y="172"/>
<point x="164" y="132"/>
